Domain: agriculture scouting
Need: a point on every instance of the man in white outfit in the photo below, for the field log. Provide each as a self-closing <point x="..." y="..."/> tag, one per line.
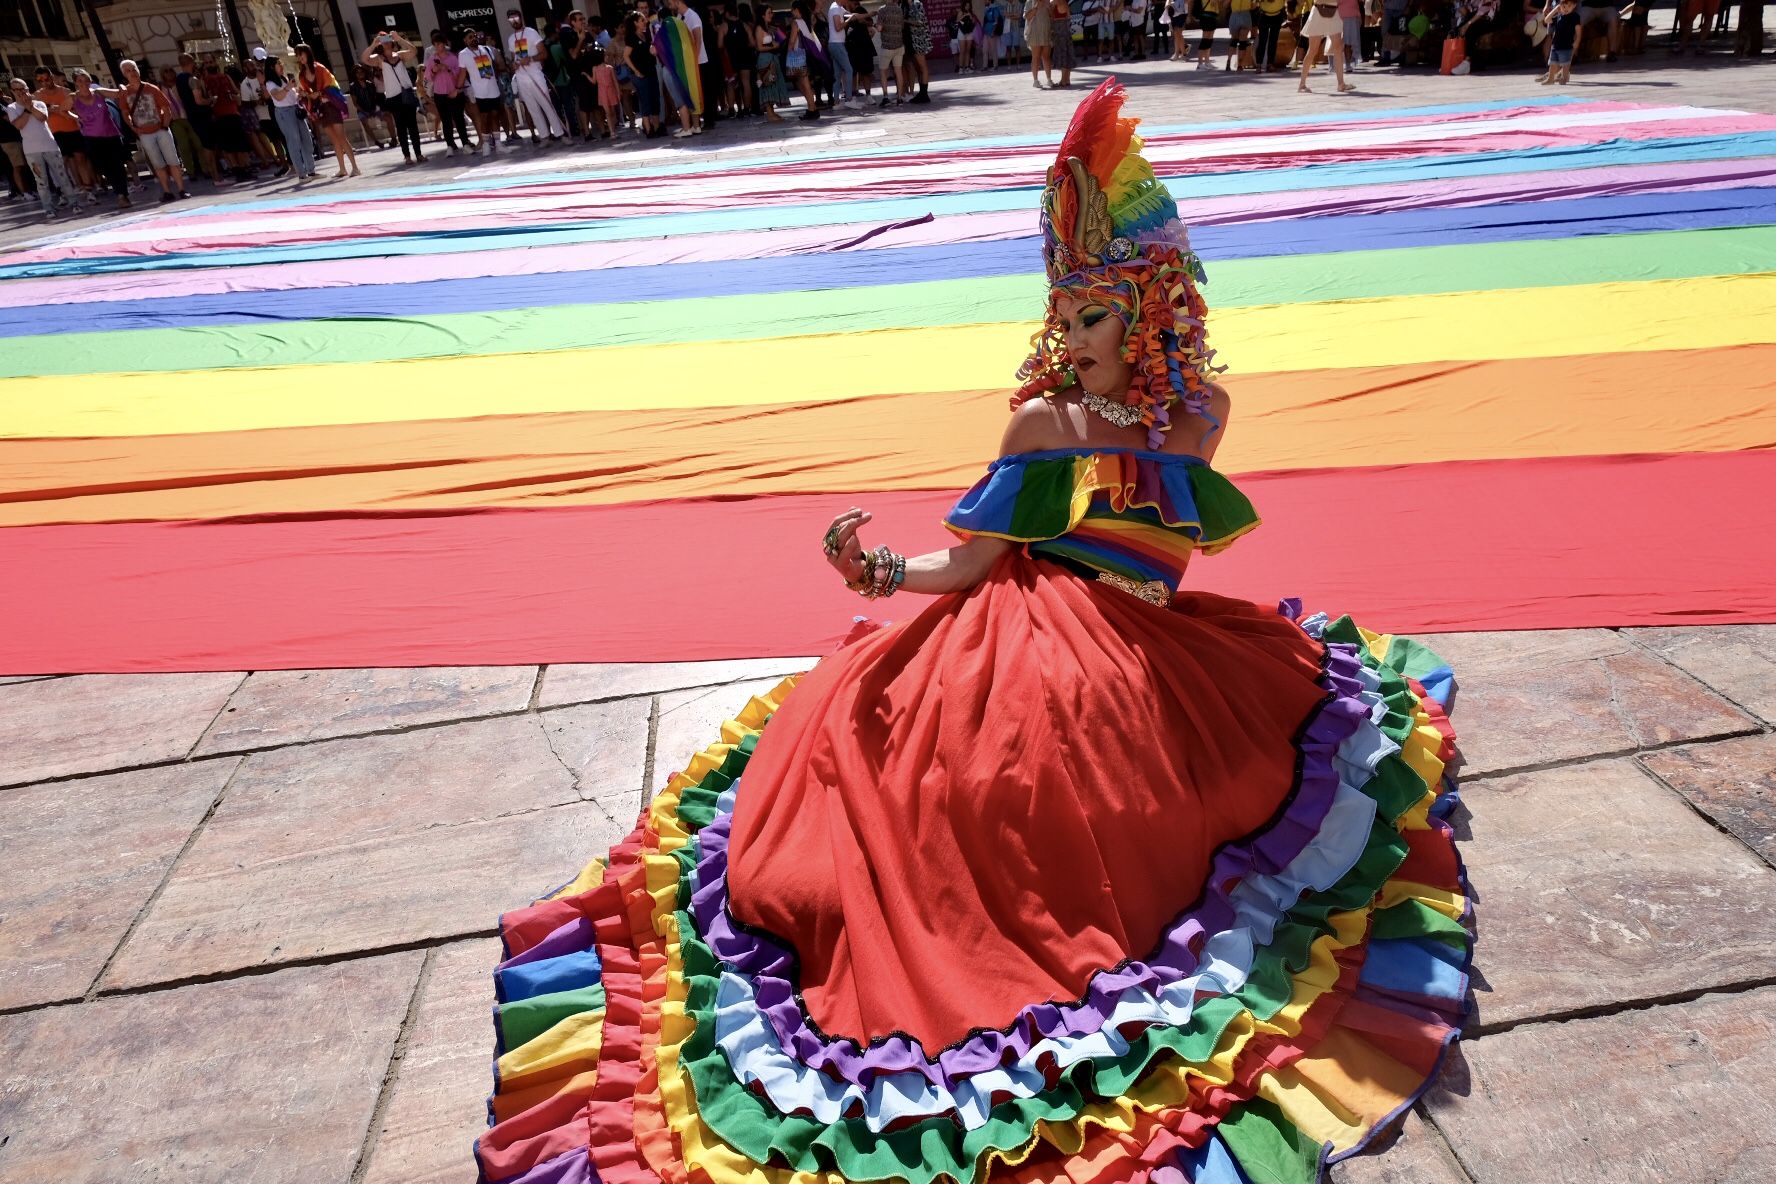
<point x="525" y="45"/>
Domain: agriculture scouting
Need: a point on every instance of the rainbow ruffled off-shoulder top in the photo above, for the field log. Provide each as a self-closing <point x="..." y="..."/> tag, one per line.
<point x="1132" y="516"/>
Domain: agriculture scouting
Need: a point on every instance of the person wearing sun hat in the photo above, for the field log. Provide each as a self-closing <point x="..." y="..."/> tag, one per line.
<point x="1071" y="874"/>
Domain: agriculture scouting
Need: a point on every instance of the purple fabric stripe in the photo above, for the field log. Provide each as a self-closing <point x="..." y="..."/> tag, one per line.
<point x="570" y="1167"/>
<point x="570" y="938"/>
<point x="770" y="964"/>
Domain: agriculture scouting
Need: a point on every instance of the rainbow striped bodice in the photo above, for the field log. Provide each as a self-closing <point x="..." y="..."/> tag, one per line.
<point x="1137" y="516"/>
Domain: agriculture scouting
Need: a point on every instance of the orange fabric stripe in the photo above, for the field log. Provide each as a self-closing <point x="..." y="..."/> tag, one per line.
<point x="1514" y="408"/>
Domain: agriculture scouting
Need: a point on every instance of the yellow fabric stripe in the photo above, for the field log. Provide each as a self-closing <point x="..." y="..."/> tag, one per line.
<point x="571" y="1046"/>
<point x="590" y="877"/>
<point x="1451" y="904"/>
<point x="1516" y="323"/>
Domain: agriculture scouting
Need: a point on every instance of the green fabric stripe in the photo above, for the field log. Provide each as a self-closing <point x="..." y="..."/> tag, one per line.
<point x="1412" y="658"/>
<point x="525" y="1020"/>
<point x="1411" y="919"/>
<point x="1040" y="507"/>
<point x="1350" y="275"/>
<point x="1268" y="1147"/>
<point x="1222" y="508"/>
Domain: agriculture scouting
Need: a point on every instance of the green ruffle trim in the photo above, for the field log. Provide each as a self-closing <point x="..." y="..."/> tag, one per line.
<point x="934" y="1148"/>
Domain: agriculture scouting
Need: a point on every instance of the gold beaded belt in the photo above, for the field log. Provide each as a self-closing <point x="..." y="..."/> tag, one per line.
<point x="1153" y="591"/>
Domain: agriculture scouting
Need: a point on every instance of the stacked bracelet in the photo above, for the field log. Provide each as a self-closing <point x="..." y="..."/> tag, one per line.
<point x="883" y="573"/>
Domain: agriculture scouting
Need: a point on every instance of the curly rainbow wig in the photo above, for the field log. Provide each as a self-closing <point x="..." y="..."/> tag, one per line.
<point x="1111" y="235"/>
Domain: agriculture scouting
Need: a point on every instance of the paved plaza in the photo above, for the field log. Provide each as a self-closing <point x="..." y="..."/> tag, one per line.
<point x="246" y="918"/>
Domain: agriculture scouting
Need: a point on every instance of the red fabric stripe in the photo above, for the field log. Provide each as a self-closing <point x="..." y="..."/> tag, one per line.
<point x="1520" y="544"/>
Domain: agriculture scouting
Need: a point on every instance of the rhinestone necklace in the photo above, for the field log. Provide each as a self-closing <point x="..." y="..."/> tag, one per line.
<point x="1121" y="414"/>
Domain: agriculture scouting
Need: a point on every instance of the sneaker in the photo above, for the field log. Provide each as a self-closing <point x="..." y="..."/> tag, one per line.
<point x="450" y="151"/>
<point x="486" y="147"/>
<point x="679" y="133"/>
<point x="920" y="99"/>
<point x="696" y="131"/>
<point x="184" y="195"/>
<point x="809" y="116"/>
<point x="165" y="198"/>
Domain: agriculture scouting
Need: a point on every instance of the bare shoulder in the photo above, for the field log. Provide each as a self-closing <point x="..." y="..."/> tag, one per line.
<point x="1037" y="425"/>
<point x="1197" y="435"/>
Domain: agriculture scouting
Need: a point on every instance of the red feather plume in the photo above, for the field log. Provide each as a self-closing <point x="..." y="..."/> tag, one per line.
<point x="1098" y="134"/>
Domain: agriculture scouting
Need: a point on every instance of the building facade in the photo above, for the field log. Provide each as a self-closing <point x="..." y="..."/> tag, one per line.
<point x="37" y="33"/>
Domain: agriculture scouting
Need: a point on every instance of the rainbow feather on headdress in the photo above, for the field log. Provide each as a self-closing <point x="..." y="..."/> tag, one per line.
<point x="1110" y="227"/>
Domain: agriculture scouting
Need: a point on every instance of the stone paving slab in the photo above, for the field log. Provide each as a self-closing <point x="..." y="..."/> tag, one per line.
<point x="1739" y="661"/>
<point x="261" y="1080"/>
<point x="79" y="859"/>
<point x="98" y="722"/>
<point x="1415" y="1155"/>
<point x="612" y="680"/>
<point x="1732" y="781"/>
<point x="1534" y="698"/>
<point x="604" y="746"/>
<point x="1595" y="885"/>
<point x="1672" y="1093"/>
<point x="439" y="1100"/>
<point x="356" y="844"/>
<point x="275" y="707"/>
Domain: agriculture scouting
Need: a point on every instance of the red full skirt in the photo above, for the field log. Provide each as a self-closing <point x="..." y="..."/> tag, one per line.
<point x="977" y="808"/>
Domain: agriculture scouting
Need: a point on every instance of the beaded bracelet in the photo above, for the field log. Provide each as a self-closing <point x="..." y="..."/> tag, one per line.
<point x="883" y="573"/>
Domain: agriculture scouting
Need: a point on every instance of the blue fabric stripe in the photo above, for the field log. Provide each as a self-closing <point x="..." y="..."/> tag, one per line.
<point x="1211" y="1163"/>
<point x="1514" y="222"/>
<point x="1676" y="150"/>
<point x="1414" y="967"/>
<point x="568" y="972"/>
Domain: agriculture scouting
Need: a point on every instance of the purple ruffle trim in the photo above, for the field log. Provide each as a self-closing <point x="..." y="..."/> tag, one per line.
<point x="770" y="963"/>
<point x="570" y="1167"/>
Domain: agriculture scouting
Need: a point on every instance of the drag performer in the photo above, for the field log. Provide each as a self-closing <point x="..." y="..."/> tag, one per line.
<point x="1074" y="875"/>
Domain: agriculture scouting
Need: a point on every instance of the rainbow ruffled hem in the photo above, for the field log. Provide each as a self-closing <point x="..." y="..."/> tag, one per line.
<point x="1293" y="1010"/>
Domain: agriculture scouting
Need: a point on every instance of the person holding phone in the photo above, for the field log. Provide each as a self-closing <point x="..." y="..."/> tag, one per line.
<point x="390" y="59"/>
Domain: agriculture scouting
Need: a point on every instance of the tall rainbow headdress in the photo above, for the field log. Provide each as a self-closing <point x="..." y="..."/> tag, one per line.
<point x="1110" y="229"/>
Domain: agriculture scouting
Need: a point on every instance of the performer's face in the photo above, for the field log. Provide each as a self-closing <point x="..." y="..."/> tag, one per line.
<point x="1094" y="335"/>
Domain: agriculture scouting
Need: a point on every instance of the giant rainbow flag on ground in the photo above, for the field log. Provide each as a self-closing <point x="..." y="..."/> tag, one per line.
<point x="1494" y="366"/>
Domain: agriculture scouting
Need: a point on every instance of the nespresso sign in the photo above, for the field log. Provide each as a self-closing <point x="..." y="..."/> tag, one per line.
<point x="468" y="12"/>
